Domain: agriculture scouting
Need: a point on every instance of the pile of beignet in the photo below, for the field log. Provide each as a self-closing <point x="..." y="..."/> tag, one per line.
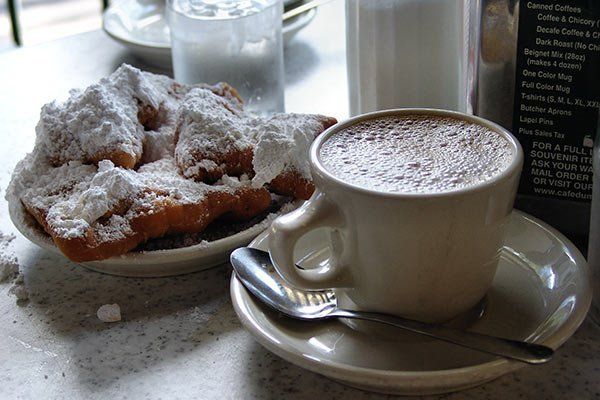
<point x="139" y="156"/>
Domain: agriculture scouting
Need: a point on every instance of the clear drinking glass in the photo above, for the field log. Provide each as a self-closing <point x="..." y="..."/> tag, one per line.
<point x="233" y="41"/>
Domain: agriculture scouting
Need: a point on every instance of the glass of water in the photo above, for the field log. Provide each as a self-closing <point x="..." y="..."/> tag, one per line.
<point x="233" y="41"/>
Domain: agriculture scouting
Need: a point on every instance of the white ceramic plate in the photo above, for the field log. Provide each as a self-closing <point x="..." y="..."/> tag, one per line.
<point x="541" y="293"/>
<point x="149" y="263"/>
<point x="140" y="26"/>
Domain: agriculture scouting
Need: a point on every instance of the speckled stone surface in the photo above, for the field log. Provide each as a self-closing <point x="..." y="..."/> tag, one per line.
<point x="179" y="337"/>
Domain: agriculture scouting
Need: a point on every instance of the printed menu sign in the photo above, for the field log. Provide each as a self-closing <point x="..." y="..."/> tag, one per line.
<point x="557" y="96"/>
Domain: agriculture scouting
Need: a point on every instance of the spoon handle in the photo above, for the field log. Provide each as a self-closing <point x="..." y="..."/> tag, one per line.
<point x="522" y="351"/>
<point x="303" y="8"/>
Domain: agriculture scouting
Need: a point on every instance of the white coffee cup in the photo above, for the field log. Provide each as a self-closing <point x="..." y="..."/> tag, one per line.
<point x="424" y="256"/>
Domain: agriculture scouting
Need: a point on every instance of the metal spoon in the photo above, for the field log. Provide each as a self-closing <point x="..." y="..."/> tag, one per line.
<point x="302" y="8"/>
<point x="254" y="269"/>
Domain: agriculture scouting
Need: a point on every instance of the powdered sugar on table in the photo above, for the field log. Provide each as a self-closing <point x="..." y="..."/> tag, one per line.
<point x="9" y="265"/>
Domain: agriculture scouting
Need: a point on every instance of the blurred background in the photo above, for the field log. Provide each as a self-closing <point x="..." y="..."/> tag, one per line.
<point x="44" y="20"/>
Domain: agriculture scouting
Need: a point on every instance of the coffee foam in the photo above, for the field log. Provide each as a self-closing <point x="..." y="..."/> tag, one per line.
<point x="416" y="154"/>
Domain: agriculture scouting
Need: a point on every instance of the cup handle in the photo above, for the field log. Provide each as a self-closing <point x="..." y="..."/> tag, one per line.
<point x="285" y="231"/>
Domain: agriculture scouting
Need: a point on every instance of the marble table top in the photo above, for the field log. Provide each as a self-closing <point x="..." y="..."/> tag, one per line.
<point x="179" y="337"/>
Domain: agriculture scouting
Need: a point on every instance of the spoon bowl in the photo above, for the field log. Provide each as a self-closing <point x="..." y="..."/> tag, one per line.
<point x="255" y="271"/>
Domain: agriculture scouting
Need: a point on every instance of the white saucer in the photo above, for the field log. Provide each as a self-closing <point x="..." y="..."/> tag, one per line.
<point x="150" y="263"/>
<point x="541" y="293"/>
<point x="140" y="25"/>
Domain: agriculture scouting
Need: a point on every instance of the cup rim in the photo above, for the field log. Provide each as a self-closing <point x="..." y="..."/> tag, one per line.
<point x="170" y="8"/>
<point x="513" y="168"/>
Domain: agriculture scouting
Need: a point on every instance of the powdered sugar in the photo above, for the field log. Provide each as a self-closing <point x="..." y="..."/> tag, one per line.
<point x="283" y="142"/>
<point x="9" y="265"/>
<point x="80" y="181"/>
<point x="163" y="176"/>
<point x="6" y="239"/>
<point x="158" y="144"/>
<point x="109" y="313"/>
<point x="9" y="268"/>
<point x="211" y="126"/>
<point x="108" y="186"/>
<point x="100" y="121"/>
<point x="19" y="290"/>
<point x="99" y="192"/>
<point x="94" y="125"/>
